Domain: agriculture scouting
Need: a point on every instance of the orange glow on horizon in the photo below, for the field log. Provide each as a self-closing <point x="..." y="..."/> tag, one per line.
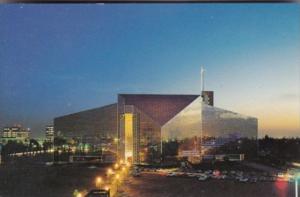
<point x="276" y="119"/>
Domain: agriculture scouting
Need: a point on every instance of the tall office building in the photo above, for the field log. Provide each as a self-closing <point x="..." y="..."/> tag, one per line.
<point x="49" y="133"/>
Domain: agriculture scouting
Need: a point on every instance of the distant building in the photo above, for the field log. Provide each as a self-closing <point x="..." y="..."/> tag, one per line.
<point x="49" y="133"/>
<point x="15" y="133"/>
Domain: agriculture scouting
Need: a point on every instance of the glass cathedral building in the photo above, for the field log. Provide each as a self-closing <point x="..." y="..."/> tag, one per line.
<point x="190" y="122"/>
<point x="149" y="128"/>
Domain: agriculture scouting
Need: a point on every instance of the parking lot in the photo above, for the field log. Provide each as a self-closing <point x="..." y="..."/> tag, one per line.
<point x="36" y="179"/>
<point x="238" y="176"/>
<point x="24" y="180"/>
<point x="159" y="184"/>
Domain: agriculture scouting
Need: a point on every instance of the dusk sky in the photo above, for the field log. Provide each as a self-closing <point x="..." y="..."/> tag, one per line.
<point x="61" y="59"/>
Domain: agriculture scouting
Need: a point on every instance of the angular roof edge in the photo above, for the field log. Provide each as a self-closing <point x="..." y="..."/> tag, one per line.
<point x="148" y="94"/>
<point x="226" y="110"/>
<point x="160" y="107"/>
<point x="97" y="108"/>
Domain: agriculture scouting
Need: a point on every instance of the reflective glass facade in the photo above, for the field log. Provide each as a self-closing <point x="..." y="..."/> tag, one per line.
<point x="180" y="126"/>
<point x="151" y="112"/>
<point x="185" y="129"/>
<point x="221" y="127"/>
<point x="151" y="128"/>
<point x="95" y="128"/>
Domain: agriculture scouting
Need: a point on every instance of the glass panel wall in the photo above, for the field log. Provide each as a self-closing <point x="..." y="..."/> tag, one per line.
<point x="225" y="132"/>
<point x="183" y="132"/>
<point x="140" y="137"/>
<point x="149" y="139"/>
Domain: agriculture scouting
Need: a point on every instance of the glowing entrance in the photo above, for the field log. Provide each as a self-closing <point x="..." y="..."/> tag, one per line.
<point x="128" y="119"/>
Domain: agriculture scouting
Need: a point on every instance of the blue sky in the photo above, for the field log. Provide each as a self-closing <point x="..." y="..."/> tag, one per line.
<point x="60" y="59"/>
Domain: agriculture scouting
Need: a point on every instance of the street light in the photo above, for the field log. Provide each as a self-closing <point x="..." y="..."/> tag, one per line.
<point x="297" y="176"/>
<point x="116" y="166"/>
<point x="79" y="195"/>
<point x="109" y="171"/>
<point x="98" y="181"/>
<point x="106" y="187"/>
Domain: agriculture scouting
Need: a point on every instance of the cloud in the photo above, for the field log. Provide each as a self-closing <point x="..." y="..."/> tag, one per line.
<point x="288" y="97"/>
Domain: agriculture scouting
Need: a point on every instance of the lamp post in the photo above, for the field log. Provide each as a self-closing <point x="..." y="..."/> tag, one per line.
<point x="296" y="187"/>
<point x="117" y="182"/>
<point x="296" y="184"/>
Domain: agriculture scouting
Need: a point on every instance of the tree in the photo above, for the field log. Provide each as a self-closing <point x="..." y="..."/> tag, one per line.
<point x="34" y="145"/>
<point x="47" y="145"/>
<point x="59" y="141"/>
<point x="13" y="147"/>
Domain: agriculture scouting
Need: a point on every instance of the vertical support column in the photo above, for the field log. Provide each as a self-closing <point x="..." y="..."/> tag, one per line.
<point x="136" y="138"/>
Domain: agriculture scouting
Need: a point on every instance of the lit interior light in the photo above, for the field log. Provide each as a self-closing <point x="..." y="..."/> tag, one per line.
<point x="106" y="188"/>
<point x="98" y="180"/>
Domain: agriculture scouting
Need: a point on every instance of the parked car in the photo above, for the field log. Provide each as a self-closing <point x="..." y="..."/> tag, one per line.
<point x="202" y="178"/>
<point x="224" y="176"/>
<point x="243" y="179"/>
<point x="170" y="174"/>
<point x="98" y="193"/>
<point x="280" y="174"/>
<point x="191" y="174"/>
<point x="232" y="172"/>
<point x="253" y="180"/>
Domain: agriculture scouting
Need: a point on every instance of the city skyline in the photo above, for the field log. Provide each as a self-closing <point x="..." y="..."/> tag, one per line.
<point x="61" y="59"/>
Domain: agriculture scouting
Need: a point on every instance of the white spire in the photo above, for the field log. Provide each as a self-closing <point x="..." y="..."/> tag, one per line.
<point x="202" y="79"/>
